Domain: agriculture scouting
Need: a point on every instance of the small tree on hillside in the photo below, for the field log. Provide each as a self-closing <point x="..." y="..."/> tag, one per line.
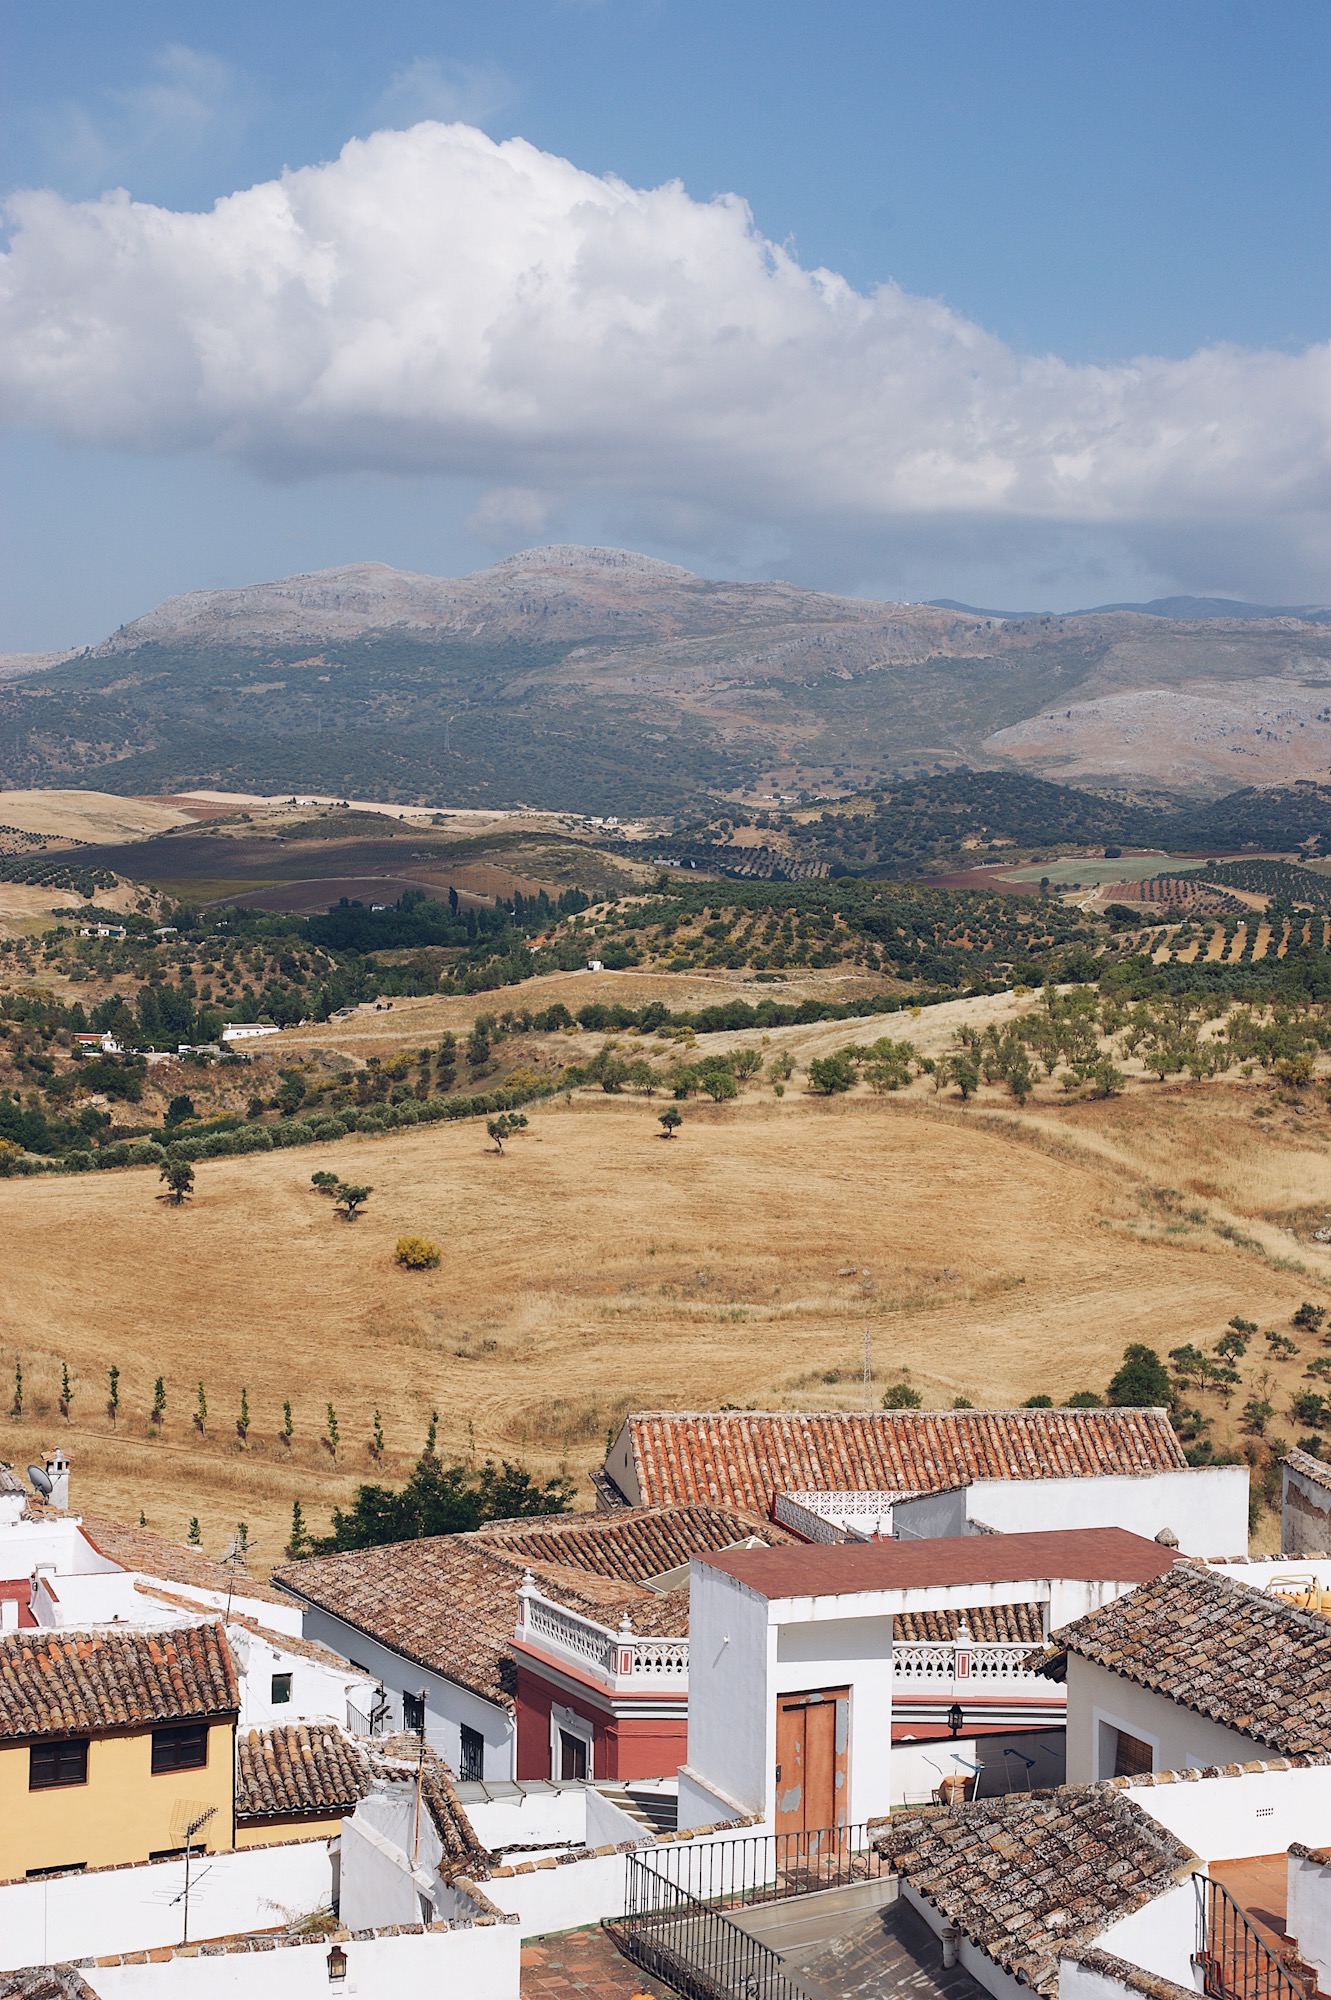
<point x="66" y="1391"/>
<point x="1142" y="1383"/>
<point x="324" y="1183"/>
<point x="179" y="1178"/>
<point x="16" y="1407"/>
<point x="201" y="1413"/>
<point x="671" y="1120"/>
<point x="195" y="1535"/>
<point x="158" y="1410"/>
<point x="298" y="1544"/>
<point x="334" y="1435"/>
<point x="288" y="1427"/>
<point x="351" y="1200"/>
<point x="830" y="1074"/>
<point x="901" y="1396"/>
<point x="113" y="1398"/>
<point x="504" y="1126"/>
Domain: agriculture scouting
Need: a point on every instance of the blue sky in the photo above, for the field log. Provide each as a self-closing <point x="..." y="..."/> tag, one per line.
<point x="1051" y="191"/>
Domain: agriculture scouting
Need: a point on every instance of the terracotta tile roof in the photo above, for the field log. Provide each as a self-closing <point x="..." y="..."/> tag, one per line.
<point x="10" y="1481"/>
<point x="742" y="1458"/>
<point x="991" y="1624"/>
<point x="300" y="1768"/>
<point x="289" y="1642"/>
<point x="1252" y="1662"/>
<point x="1025" y="1877"/>
<point x="450" y="1602"/>
<point x="173" y="1562"/>
<point x="80" y="1683"/>
<point x="822" y="1570"/>
<point x="634" y="1543"/>
<point x="1311" y="1468"/>
<point x="45" y="1982"/>
<point x="463" y="1853"/>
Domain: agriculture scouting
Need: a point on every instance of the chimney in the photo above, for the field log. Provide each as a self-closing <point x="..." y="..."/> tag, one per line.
<point x="57" y="1471"/>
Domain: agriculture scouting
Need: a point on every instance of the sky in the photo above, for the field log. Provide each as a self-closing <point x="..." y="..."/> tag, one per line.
<point x="1022" y="304"/>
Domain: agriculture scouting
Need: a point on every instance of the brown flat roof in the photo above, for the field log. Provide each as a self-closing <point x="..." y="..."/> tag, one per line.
<point x="818" y="1570"/>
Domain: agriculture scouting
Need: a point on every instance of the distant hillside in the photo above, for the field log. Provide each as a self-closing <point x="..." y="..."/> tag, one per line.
<point x="604" y="681"/>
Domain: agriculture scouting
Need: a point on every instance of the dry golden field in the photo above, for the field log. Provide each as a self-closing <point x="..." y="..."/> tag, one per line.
<point x="994" y="1254"/>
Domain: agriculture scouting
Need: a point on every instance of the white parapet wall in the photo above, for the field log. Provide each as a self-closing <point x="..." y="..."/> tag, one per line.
<point x="1205" y="1507"/>
<point x="110" y="1910"/>
<point x="475" y="1962"/>
<point x="1249" y="1809"/>
<point x="1308" y="1908"/>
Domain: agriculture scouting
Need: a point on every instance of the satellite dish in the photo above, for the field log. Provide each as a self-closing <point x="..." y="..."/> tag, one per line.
<point x="40" y="1482"/>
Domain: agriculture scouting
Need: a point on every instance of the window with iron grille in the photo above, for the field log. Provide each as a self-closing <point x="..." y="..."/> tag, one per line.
<point x="471" y="1763"/>
<point x="61" y="1763"/>
<point x="413" y="1712"/>
<point x="182" y="1747"/>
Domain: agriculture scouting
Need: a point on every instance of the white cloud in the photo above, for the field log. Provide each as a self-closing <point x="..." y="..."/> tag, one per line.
<point x="432" y="301"/>
<point x="429" y="87"/>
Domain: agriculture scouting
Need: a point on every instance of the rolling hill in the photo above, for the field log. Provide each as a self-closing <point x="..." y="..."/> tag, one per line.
<point x="606" y="681"/>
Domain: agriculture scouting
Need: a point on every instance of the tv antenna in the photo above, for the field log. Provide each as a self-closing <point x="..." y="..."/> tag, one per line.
<point x="236" y="1556"/>
<point x="189" y="1818"/>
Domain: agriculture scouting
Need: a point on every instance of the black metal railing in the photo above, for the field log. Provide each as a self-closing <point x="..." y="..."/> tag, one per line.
<point x="1235" y="1962"/>
<point x="679" y="1906"/>
<point x="764" y="1867"/>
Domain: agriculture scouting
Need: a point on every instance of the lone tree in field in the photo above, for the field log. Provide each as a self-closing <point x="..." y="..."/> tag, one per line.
<point x="323" y="1182"/>
<point x="158" y="1410"/>
<point x="504" y="1126"/>
<point x="351" y="1199"/>
<point x="113" y="1399"/>
<point x="672" y="1120"/>
<point x="179" y="1178"/>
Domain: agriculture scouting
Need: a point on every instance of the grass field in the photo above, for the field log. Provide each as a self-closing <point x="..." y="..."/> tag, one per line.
<point x="596" y="1267"/>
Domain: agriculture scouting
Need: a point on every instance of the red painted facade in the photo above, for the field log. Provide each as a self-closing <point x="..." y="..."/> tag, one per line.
<point x="631" y="1738"/>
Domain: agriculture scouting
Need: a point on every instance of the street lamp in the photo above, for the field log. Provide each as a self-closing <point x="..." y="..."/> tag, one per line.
<point x="337" y="1965"/>
<point x="956" y="1719"/>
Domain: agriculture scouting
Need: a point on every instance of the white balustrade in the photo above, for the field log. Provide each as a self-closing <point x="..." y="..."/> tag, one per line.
<point x="942" y="1662"/>
<point x="613" y="1656"/>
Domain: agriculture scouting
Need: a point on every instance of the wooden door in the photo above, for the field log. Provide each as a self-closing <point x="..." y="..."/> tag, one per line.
<point x="812" y="1736"/>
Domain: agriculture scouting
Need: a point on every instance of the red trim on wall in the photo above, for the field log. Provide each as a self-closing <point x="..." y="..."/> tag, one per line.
<point x="624" y="1746"/>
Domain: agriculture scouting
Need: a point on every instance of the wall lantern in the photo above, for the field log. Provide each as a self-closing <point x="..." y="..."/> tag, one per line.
<point x="337" y="1965"/>
<point x="956" y="1720"/>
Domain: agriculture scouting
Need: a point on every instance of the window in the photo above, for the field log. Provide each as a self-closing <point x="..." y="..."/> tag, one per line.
<point x="184" y="1747"/>
<point x="572" y="1756"/>
<point x="1132" y="1757"/>
<point x="471" y="1764"/>
<point x="281" y="1689"/>
<point x="60" y="1868"/>
<point x="168" y="1853"/>
<point x="64" y="1763"/>
<point x="413" y="1711"/>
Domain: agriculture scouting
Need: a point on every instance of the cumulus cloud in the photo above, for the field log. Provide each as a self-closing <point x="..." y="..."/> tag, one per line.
<point x="433" y="301"/>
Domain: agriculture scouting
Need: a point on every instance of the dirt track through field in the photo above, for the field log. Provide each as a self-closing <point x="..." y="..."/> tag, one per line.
<point x="597" y="1267"/>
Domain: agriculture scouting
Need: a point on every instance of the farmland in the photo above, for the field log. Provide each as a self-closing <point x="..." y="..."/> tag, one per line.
<point x="995" y="1251"/>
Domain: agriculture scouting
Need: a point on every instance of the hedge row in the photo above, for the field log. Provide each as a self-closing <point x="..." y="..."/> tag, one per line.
<point x="374" y="1119"/>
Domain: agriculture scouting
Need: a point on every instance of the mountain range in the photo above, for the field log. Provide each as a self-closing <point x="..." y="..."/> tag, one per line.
<point x="605" y="681"/>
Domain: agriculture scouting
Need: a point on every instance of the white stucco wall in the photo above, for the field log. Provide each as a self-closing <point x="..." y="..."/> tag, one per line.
<point x="1180" y="1739"/>
<point x="1308" y="1914"/>
<point x="930" y="1515"/>
<point x="728" y="1690"/>
<point x="483" y="1963"/>
<point x="1159" y="1937"/>
<point x="110" y="1910"/>
<point x="1253" y="1812"/>
<point x="447" y="1706"/>
<point x="1206" y="1506"/>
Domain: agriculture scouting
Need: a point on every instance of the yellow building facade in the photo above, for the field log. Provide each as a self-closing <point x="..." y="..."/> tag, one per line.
<point x="112" y="1745"/>
<point x="122" y="1811"/>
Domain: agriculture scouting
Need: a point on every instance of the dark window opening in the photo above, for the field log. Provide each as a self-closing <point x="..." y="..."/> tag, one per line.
<point x="471" y="1763"/>
<point x="60" y="1868"/>
<point x="64" y="1763"/>
<point x="281" y="1688"/>
<point x="169" y="1853"/>
<point x="183" y="1747"/>
<point x="413" y="1712"/>
<point x="1132" y="1757"/>
<point x="573" y="1759"/>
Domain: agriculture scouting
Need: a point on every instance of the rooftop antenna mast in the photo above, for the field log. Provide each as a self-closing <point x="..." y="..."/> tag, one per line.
<point x="194" y="1817"/>
<point x="235" y="1556"/>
